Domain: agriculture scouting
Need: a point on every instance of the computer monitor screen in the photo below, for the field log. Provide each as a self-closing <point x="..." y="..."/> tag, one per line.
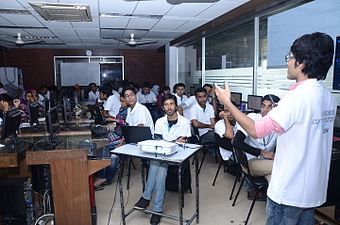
<point x="52" y="122"/>
<point x="236" y="97"/>
<point x="10" y="124"/>
<point x="254" y="102"/>
<point x="33" y="111"/>
<point x="67" y="110"/>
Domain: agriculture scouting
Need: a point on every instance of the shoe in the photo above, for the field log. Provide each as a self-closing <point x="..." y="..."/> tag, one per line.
<point x="251" y="195"/>
<point x="142" y="203"/>
<point x="261" y="196"/>
<point x="155" y="219"/>
<point x="99" y="188"/>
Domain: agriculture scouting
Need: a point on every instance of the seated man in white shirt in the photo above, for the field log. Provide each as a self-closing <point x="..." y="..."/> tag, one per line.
<point x="111" y="103"/>
<point x="202" y="117"/>
<point x="226" y="128"/>
<point x="171" y="127"/>
<point x="149" y="99"/>
<point x="260" y="152"/>
<point x="93" y="94"/>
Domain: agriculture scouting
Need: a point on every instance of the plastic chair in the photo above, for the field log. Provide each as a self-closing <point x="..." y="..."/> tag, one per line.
<point x="260" y="183"/>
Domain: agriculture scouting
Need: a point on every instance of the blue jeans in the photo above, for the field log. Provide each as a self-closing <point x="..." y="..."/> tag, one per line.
<point x="156" y="183"/>
<point x="278" y="214"/>
<point x="109" y="172"/>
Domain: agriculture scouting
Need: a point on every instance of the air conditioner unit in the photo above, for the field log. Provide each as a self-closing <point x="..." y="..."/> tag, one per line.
<point x="63" y="12"/>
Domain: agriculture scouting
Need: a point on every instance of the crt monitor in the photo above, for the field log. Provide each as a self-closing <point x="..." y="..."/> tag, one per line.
<point x="254" y="102"/>
<point x="10" y="124"/>
<point x="33" y="111"/>
<point x="52" y="122"/>
<point x="236" y="97"/>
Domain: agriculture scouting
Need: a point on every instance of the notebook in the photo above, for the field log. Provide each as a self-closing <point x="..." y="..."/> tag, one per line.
<point x="135" y="134"/>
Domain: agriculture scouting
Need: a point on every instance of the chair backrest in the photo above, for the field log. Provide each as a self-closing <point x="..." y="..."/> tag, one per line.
<point x="242" y="159"/>
<point x="223" y="142"/>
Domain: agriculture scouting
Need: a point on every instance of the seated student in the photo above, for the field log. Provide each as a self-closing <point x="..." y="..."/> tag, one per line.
<point x="44" y="93"/>
<point x="171" y="127"/>
<point x="26" y="99"/>
<point x="137" y="114"/>
<point x="260" y="151"/>
<point x="226" y="128"/>
<point x="211" y="95"/>
<point x="106" y="175"/>
<point x="202" y="117"/>
<point x="148" y="98"/>
<point x="93" y="94"/>
<point x="111" y="103"/>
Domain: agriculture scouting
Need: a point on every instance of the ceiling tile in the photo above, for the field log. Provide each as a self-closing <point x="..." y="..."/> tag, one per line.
<point x="113" y="22"/>
<point x="22" y="20"/>
<point x="141" y="23"/>
<point x="4" y="22"/>
<point x="10" y="4"/>
<point x="88" y="33"/>
<point x="190" y="10"/>
<point x="159" y="7"/>
<point x="220" y="8"/>
<point x="168" y="24"/>
<point x="117" y="6"/>
<point x="163" y="34"/>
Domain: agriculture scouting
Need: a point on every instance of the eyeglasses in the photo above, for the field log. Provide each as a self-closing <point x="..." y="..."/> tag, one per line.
<point x="289" y="57"/>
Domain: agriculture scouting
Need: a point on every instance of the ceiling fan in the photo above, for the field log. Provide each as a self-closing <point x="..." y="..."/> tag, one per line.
<point x="19" y="41"/>
<point x="132" y="42"/>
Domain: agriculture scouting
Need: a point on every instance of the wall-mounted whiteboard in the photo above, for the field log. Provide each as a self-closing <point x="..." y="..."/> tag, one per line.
<point x="81" y="73"/>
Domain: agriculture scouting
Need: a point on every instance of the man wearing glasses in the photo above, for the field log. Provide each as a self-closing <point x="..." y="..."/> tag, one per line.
<point x="260" y="151"/>
<point x="304" y="120"/>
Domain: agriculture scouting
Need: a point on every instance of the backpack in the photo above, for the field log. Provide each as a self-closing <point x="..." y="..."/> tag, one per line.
<point x="171" y="183"/>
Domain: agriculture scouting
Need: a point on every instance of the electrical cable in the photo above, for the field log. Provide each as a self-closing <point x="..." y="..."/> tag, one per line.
<point x="44" y="216"/>
<point x="113" y="203"/>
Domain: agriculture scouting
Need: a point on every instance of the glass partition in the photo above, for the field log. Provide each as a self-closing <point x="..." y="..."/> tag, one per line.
<point x="190" y="66"/>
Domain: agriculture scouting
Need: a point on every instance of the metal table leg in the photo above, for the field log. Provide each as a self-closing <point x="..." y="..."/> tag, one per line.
<point x="197" y="189"/>
<point x="120" y="175"/>
<point x="180" y="195"/>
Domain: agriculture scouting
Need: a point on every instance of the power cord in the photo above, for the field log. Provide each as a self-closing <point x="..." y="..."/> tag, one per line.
<point x="113" y="203"/>
<point x="46" y="217"/>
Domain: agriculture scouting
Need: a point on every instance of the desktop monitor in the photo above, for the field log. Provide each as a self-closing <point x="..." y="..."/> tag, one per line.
<point x="33" y="111"/>
<point x="52" y="122"/>
<point x="67" y="110"/>
<point x="10" y="124"/>
<point x="236" y="97"/>
<point x="254" y="102"/>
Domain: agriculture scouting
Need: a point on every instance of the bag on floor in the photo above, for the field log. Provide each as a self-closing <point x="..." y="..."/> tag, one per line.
<point x="171" y="183"/>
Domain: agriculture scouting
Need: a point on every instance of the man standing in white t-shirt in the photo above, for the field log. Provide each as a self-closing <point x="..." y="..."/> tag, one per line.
<point x="304" y="120"/>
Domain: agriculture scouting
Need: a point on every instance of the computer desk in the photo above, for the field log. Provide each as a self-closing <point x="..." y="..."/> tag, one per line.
<point x="132" y="150"/>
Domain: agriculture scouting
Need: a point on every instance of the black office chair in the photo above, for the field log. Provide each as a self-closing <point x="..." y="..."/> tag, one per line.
<point x="260" y="183"/>
<point x="206" y="146"/>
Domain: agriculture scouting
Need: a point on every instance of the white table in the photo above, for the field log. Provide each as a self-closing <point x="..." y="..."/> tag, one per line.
<point x="132" y="150"/>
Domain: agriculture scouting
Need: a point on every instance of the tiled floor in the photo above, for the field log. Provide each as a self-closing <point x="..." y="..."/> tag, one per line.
<point x="215" y="207"/>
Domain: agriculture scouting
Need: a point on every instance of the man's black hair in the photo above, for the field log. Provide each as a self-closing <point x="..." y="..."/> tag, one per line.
<point x="166" y="88"/>
<point x="272" y="98"/>
<point x="93" y="84"/>
<point x="146" y="84"/>
<point x="177" y="85"/>
<point x="128" y="88"/>
<point x="315" y="51"/>
<point x="167" y="97"/>
<point x="207" y="85"/>
<point x="106" y="89"/>
<point x="6" y="98"/>
<point x="200" y="89"/>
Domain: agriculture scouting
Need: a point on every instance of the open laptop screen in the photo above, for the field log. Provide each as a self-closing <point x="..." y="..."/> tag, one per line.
<point x="135" y="134"/>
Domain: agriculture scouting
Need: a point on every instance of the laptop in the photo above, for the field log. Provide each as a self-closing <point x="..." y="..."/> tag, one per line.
<point x="135" y="134"/>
